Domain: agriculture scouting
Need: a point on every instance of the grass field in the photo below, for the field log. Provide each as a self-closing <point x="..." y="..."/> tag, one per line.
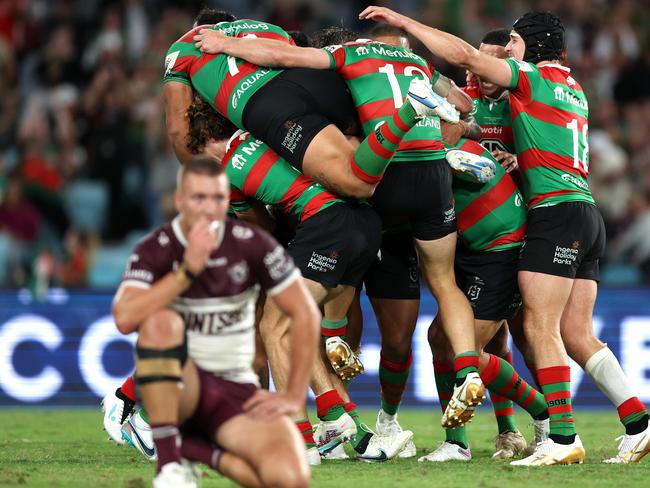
<point x="57" y="448"/>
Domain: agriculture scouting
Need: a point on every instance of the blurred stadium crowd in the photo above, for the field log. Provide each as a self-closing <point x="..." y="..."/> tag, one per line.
<point x="85" y="164"/>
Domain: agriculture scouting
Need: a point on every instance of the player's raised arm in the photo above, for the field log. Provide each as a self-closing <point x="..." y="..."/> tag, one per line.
<point x="451" y="48"/>
<point x="261" y="52"/>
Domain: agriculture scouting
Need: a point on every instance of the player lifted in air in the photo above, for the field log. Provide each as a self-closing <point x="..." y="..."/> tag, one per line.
<point x="300" y="113"/>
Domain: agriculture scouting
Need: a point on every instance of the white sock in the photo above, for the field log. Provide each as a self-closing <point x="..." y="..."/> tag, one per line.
<point x="605" y="371"/>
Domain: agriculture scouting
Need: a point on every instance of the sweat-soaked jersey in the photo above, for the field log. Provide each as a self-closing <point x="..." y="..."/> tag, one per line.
<point x="223" y="81"/>
<point x="490" y="216"/>
<point x="549" y="113"/>
<point x="257" y="172"/>
<point x="378" y="76"/>
<point x="493" y="117"/>
<point x="219" y="306"/>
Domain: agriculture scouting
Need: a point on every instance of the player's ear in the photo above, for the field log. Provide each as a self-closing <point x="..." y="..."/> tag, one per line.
<point x="178" y="199"/>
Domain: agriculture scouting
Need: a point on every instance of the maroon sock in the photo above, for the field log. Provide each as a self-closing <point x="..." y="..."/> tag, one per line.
<point x="201" y="451"/>
<point x="165" y="436"/>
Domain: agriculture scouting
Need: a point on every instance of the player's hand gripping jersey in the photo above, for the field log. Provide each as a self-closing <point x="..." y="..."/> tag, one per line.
<point x="490" y="216"/>
<point x="378" y="76"/>
<point x="219" y="307"/>
<point x="493" y="116"/>
<point x="225" y="82"/>
<point x="549" y="114"/>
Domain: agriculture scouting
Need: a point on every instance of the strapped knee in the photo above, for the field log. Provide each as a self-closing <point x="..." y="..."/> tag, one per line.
<point x="155" y="365"/>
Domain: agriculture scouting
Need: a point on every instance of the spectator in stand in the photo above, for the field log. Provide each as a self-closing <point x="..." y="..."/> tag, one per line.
<point x="19" y="227"/>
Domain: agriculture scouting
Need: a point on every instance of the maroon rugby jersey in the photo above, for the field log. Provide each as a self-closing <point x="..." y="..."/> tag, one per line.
<point x="219" y="307"/>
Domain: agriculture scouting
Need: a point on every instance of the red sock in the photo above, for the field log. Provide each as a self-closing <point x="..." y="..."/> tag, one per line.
<point x="307" y="432"/>
<point x="128" y="388"/>
<point x="326" y="401"/>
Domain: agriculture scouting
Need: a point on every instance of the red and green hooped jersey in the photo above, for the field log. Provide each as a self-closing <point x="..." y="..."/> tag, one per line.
<point x="549" y="113"/>
<point x="378" y="76"/>
<point x="493" y="116"/>
<point x="256" y="172"/>
<point x="490" y="216"/>
<point x="224" y="82"/>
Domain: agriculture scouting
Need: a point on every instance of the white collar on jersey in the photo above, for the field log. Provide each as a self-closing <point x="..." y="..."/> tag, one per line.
<point x="555" y="65"/>
<point x="219" y="227"/>
<point x="233" y="137"/>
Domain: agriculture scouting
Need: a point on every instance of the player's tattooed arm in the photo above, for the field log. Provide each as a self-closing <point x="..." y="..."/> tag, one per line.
<point x="473" y="130"/>
<point x="452" y="49"/>
<point x="261" y="52"/>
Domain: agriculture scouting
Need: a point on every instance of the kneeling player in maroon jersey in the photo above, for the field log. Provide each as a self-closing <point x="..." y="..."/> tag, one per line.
<point x="559" y="263"/>
<point x="190" y="290"/>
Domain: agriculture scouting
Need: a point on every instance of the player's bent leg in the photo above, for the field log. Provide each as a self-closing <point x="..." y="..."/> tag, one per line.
<point x="509" y="442"/>
<point x="160" y="354"/>
<point x="197" y="449"/>
<point x="273" y="448"/>
<point x="603" y="368"/>
<point x="327" y="161"/>
<point x="436" y="259"/>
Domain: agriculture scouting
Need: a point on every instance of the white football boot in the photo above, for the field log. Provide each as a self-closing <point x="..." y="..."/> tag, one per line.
<point x="463" y="403"/>
<point x="447" y="451"/>
<point x="331" y="433"/>
<point x="508" y="445"/>
<point x="388" y="424"/>
<point x="137" y="432"/>
<point x="381" y="448"/>
<point x="175" y="475"/>
<point x="426" y="102"/>
<point x="632" y="448"/>
<point x="337" y="453"/>
<point x="116" y="410"/>
<point x="548" y="453"/>
<point x="480" y="168"/>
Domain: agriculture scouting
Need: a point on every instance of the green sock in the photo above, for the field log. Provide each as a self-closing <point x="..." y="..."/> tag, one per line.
<point x="503" y="407"/>
<point x="332" y="328"/>
<point x="500" y="377"/>
<point x="375" y="152"/>
<point x="445" y="381"/>
<point x="556" y="385"/>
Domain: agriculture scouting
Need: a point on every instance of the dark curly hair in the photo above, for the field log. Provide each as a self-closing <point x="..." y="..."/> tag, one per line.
<point x="205" y="124"/>
<point x="332" y="36"/>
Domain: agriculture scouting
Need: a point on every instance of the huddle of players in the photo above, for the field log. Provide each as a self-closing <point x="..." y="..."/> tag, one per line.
<point x="334" y="243"/>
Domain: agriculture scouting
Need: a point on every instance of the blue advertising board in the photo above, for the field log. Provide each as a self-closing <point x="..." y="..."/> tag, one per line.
<point x="66" y="350"/>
